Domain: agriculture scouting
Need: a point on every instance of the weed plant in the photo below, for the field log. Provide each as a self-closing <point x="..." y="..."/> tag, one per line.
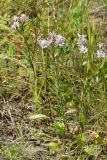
<point x="53" y="76"/>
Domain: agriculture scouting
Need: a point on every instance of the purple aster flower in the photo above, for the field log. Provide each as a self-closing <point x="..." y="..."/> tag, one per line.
<point x="100" y="54"/>
<point x="15" y="25"/>
<point x="83" y="49"/>
<point x="57" y="39"/>
<point x="44" y="43"/>
<point x="62" y="43"/>
<point x="81" y="39"/>
<point x="23" y="17"/>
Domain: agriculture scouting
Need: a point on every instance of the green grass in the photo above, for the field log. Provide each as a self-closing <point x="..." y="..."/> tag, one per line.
<point x="57" y="89"/>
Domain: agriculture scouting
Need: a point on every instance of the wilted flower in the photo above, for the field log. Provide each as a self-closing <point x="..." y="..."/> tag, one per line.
<point x="100" y="54"/>
<point x="15" y="25"/>
<point x="44" y="43"/>
<point x="81" y="39"/>
<point x="83" y="49"/>
<point x="23" y="17"/>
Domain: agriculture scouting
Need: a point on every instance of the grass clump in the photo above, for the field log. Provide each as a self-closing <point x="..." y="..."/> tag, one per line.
<point x="53" y="57"/>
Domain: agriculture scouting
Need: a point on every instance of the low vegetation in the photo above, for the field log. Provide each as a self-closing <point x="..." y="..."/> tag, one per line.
<point x="53" y="80"/>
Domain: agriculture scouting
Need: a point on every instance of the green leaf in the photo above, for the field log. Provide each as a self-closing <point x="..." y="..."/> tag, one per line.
<point x="59" y="127"/>
<point x="10" y="51"/>
<point x="81" y="139"/>
<point x="57" y="52"/>
<point x="4" y="27"/>
<point x="54" y="147"/>
<point x="92" y="150"/>
<point x="82" y="119"/>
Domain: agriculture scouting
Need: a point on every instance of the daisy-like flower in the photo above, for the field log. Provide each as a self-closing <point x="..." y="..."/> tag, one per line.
<point x="81" y="40"/>
<point x="100" y="54"/>
<point x="15" y="25"/>
<point x="83" y="49"/>
<point x="44" y="43"/>
<point x="23" y="17"/>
